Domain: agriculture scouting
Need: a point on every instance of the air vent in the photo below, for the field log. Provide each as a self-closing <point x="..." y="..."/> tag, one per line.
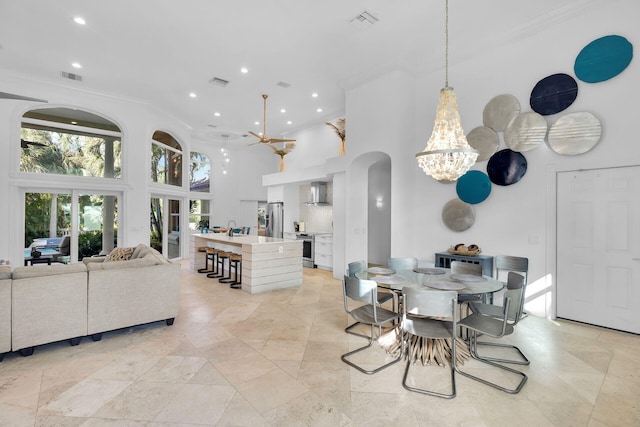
<point x="213" y="126"/>
<point x="364" y="21"/>
<point x="219" y="82"/>
<point x="284" y="84"/>
<point x="71" y="76"/>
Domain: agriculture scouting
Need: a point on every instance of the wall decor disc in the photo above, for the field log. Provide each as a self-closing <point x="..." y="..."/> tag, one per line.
<point x="458" y="215"/>
<point x="553" y="94"/>
<point x="603" y="59"/>
<point x="473" y="187"/>
<point x="506" y="167"/>
<point x="485" y="140"/>
<point x="525" y="132"/>
<point x="499" y="112"/>
<point x="574" y="133"/>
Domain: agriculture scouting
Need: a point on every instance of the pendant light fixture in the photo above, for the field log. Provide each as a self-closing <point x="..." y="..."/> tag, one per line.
<point x="447" y="155"/>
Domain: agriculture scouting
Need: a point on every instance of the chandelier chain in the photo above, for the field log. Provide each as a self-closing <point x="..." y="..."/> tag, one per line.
<point x="446" y="45"/>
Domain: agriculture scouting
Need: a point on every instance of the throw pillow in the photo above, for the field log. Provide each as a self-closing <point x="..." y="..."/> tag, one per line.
<point x="119" y="254"/>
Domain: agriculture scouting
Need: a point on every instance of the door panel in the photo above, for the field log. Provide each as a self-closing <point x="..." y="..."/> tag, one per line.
<point x="598" y="273"/>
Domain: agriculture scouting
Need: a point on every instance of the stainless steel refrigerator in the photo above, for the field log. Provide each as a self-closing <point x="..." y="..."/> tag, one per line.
<point x="274" y="219"/>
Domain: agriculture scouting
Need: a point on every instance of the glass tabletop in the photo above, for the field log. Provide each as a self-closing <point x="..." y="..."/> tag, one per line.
<point x="402" y="278"/>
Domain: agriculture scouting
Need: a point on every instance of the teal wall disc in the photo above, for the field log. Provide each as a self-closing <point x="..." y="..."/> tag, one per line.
<point x="603" y="59"/>
<point x="473" y="187"/>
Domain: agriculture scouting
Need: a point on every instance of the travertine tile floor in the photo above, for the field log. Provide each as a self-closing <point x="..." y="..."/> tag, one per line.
<point x="233" y="359"/>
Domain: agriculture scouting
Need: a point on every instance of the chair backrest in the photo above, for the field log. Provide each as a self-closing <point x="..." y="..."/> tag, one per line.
<point x="423" y="302"/>
<point x="402" y="263"/>
<point x="355" y="289"/>
<point x="515" y="294"/>
<point x="459" y="267"/>
<point x="354" y="267"/>
<point x="508" y="263"/>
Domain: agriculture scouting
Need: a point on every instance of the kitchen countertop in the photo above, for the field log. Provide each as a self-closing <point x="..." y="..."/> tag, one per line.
<point x="240" y="240"/>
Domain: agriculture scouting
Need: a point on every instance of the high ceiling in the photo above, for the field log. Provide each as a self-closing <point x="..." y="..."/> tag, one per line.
<point x="160" y="51"/>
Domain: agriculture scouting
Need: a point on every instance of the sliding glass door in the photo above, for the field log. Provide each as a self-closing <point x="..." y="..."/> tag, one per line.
<point x="89" y="219"/>
<point x="164" y="227"/>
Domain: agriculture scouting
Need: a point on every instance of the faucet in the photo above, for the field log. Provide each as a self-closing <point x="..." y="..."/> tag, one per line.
<point x="230" y="229"/>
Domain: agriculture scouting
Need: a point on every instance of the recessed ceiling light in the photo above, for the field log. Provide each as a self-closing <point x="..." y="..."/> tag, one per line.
<point x="79" y="20"/>
<point x="226" y="160"/>
<point x="76" y="65"/>
<point x="256" y="123"/>
<point x="289" y="122"/>
<point x="193" y="95"/>
<point x="74" y="123"/>
<point x="319" y="110"/>
<point x="216" y="114"/>
<point x="244" y="70"/>
<point x="282" y="110"/>
<point x="314" y="95"/>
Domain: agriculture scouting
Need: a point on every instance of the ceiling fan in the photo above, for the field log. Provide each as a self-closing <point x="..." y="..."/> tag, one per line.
<point x="264" y="139"/>
<point x="26" y="144"/>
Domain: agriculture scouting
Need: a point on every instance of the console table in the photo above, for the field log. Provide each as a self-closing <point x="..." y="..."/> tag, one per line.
<point x="443" y="259"/>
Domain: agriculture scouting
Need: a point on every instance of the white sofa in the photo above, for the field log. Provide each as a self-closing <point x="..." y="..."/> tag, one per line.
<point x="5" y="310"/>
<point x="58" y="302"/>
<point x="144" y="289"/>
<point x="49" y="303"/>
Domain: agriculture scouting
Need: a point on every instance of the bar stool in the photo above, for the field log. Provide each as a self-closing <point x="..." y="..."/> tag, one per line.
<point x="215" y="259"/>
<point x="222" y="256"/>
<point x="206" y="260"/>
<point x="235" y="262"/>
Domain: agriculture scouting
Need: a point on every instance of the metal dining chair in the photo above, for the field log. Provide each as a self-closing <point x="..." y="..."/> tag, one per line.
<point x="515" y="282"/>
<point x="357" y="291"/>
<point x="459" y="267"/>
<point x="402" y="263"/>
<point x="429" y="314"/>
<point x="352" y="269"/>
<point x="507" y="263"/>
<point x="496" y="326"/>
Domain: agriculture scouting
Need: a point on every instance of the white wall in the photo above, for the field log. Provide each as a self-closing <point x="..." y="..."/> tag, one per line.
<point x="394" y="115"/>
<point x="138" y="121"/>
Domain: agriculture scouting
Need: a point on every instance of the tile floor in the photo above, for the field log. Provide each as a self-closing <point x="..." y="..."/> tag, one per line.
<point x="233" y="359"/>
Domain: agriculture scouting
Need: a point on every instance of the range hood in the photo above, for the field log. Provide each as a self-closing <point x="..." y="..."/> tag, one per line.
<point x="318" y="194"/>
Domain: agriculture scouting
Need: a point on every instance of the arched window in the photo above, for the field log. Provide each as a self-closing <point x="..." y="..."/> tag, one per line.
<point x="68" y="141"/>
<point x="166" y="159"/>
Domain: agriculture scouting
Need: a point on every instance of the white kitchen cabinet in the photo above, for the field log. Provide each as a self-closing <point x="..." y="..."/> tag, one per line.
<point x="323" y="253"/>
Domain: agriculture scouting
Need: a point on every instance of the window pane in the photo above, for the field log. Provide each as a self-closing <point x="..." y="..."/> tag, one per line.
<point x="155" y="232"/>
<point x="57" y="151"/>
<point x="199" y="172"/>
<point x="198" y="214"/>
<point x="97" y="225"/>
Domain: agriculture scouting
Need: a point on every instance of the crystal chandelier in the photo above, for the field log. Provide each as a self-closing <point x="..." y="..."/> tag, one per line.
<point x="447" y="155"/>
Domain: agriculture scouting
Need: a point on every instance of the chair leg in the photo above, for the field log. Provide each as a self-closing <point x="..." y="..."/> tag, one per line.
<point x="359" y="368"/>
<point x="473" y="349"/>
<point x="523" y="361"/>
<point x="452" y="366"/>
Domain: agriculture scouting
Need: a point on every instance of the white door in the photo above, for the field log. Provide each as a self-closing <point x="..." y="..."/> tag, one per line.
<point x="598" y="247"/>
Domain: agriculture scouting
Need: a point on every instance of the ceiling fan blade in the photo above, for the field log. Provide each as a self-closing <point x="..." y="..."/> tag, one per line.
<point x="256" y="135"/>
<point x="26" y="144"/>
<point x="6" y="95"/>
<point x="272" y="140"/>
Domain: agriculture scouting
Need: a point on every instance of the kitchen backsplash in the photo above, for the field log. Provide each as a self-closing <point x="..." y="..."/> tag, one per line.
<point x="317" y="219"/>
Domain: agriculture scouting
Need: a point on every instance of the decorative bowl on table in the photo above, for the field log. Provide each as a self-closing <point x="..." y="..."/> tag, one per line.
<point x="461" y="249"/>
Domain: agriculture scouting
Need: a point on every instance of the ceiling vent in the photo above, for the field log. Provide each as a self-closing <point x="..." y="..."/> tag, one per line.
<point x="363" y="21"/>
<point x="71" y="76"/>
<point x="284" y="84"/>
<point x="212" y="126"/>
<point x="219" y="82"/>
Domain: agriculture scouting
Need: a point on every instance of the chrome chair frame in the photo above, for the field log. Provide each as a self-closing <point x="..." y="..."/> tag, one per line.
<point x="496" y="327"/>
<point x="423" y="315"/>
<point x="352" y="269"/>
<point x="515" y="282"/>
<point x="365" y="291"/>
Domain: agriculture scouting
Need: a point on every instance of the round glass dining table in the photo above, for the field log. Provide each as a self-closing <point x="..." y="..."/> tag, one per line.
<point x="431" y="279"/>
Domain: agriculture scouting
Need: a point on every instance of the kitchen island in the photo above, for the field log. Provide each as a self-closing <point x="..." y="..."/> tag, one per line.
<point x="268" y="263"/>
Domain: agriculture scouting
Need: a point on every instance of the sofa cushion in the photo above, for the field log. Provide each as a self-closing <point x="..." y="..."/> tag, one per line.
<point x="47" y="270"/>
<point x="119" y="254"/>
<point x="132" y="263"/>
<point x="5" y="272"/>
